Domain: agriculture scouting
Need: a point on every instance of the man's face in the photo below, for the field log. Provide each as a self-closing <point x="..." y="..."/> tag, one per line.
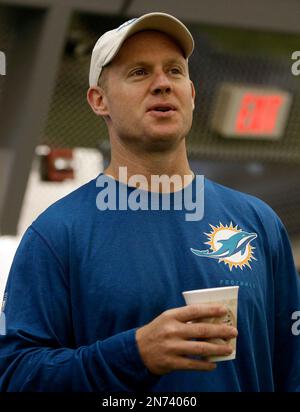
<point x="149" y="98"/>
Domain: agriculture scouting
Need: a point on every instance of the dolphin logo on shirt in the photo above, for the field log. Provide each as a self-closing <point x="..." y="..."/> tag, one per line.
<point x="233" y="245"/>
<point x="230" y="245"/>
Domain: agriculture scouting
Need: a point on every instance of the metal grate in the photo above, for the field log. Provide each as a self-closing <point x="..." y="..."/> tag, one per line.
<point x="71" y="123"/>
<point x="210" y="67"/>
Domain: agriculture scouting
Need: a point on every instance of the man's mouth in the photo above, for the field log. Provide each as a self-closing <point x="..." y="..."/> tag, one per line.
<point x="161" y="109"/>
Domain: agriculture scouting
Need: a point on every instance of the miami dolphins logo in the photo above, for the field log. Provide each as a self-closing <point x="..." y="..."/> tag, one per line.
<point x="229" y="245"/>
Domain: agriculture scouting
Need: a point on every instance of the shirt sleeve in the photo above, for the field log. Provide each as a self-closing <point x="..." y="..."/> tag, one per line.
<point x="38" y="353"/>
<point x="287" y="305"/>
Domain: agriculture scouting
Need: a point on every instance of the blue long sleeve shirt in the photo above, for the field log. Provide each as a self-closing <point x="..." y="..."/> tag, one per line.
<point x="83" y="280"/>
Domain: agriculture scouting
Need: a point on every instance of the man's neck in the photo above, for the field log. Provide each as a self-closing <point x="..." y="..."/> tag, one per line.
<point x="173" y="164"/>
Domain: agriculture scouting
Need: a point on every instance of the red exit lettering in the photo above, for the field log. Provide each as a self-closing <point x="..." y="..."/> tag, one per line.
<point x="258" y="114"/>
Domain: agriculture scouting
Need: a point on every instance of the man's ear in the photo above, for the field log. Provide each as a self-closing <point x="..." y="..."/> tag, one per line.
<point x="193" y="93"/>
<point x="97" y="100"/>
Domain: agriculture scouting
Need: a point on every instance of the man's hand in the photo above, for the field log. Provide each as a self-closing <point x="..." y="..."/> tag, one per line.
<point x="165" y="344"/>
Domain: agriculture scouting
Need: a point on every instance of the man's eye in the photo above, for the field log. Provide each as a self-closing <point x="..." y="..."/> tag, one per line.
<point x="175" y="70"/>
<point x="138" y="72"/>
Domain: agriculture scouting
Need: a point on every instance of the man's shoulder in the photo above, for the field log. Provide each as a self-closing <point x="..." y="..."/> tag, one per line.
<point x="61" y="224"/>
<point x="238" y="201"/>
<point x="68" y="208"/>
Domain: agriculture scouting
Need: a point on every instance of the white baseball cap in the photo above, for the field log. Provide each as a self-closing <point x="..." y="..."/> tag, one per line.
<point x="110" y="42"/>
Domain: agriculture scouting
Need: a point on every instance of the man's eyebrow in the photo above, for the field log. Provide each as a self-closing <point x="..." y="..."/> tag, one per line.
<point x="176" y="61"/>
<point x="137" y="63"/>
<point x="143" y="63"/>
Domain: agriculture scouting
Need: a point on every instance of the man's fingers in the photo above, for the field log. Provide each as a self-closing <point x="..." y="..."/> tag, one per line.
<point x="202" y="348"/>
<point x="194" y="364"/>
<point x="198" y="311"/>
<point x="207" y="331"/>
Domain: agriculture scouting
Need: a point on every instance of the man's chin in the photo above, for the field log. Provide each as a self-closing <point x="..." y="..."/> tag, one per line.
<point x="164" y="132"/>
<point x="162" y="141"/>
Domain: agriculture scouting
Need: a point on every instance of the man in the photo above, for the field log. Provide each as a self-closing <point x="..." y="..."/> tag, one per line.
<point x="94" y="298"/>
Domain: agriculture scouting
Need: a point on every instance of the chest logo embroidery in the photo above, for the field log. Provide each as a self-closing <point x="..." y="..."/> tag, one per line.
<point x="229" y="245"/>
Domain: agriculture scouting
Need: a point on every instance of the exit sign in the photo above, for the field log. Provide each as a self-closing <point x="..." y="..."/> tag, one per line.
<point x="250" y="111"/>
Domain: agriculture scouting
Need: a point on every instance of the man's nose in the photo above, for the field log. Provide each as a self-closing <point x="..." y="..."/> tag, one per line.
<point x="161" y="84"/>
